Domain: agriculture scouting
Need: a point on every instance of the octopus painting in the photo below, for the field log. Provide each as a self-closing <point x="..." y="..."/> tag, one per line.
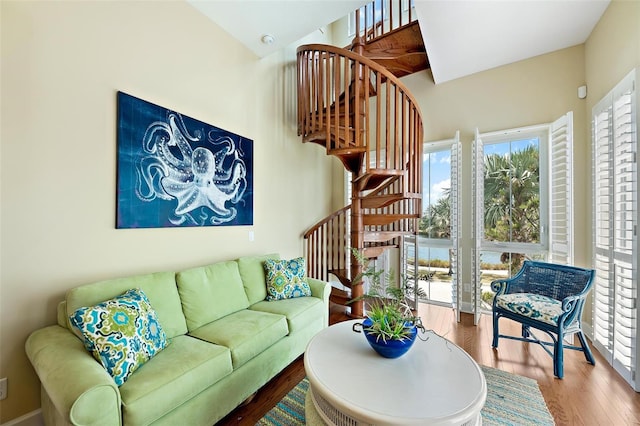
<point x="177" y="171"/>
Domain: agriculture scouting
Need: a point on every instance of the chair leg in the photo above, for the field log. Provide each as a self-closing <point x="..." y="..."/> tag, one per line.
<point x="558" y="357"/>
<point x="586" y="349"/>
<point x="495" y="331"/>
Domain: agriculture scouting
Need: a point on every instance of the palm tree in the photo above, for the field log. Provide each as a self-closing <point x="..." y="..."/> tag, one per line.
<point x="512" y="199"/>
<point x="436" y="222"/>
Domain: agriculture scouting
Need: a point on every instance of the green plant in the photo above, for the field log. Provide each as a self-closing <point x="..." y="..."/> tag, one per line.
<point x="387" y="306"/>
<point x="487" y="296"/>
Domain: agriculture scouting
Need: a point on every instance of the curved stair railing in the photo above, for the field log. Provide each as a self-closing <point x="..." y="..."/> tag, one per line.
<point x="327" y="251"/>
<point x="364" y="115"/>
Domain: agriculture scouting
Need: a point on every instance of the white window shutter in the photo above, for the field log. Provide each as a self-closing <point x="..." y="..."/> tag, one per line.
<point x="477" y="223"/>
<point x="561" y="190"/>
<point x="615" y="319"/>
<point x="624" y="239"/>
<point x="602" y="227"/>
<point x="456" y="283"/>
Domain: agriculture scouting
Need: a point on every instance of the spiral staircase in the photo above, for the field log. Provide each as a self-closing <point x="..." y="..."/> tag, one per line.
<point x="351" y="101"/>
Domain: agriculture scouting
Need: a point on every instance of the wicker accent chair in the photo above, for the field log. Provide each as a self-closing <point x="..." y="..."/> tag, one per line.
<point x="547" y="297"/>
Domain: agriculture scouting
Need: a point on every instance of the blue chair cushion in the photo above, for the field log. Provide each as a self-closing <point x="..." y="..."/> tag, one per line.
<point x="534" y="306"/>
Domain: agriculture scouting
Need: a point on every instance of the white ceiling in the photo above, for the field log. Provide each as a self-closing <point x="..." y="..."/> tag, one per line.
<point x="465" y="37"/>
<point x="286" y="20"/>
<point x="462" y="37"/>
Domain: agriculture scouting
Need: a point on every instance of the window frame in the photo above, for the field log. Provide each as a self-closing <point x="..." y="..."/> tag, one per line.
<point x="453" y="146"/>
<point x="542" y="132"/>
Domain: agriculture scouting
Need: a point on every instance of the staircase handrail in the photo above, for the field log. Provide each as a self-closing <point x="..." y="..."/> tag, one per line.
<point x="363" y="60"/>
<point x="320" y="110"/>
<point x="323" y="250"/>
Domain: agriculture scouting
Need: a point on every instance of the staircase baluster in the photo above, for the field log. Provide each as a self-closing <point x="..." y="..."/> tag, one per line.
<point x="339" y="93"/>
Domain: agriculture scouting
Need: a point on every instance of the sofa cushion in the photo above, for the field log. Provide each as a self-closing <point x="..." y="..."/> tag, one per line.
<point x="299" y="312"/>
<point x="286" y="279"/>
<point x="210" y="292"/>
<point x="253" y="276"/>
<point x="184" y="369"/>
<point x="160" y="289"/>
<point x="246" y="333"/>
<point x="122" y="333"/>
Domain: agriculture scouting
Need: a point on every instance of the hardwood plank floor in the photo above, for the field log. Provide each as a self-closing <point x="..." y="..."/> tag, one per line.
<point x="588" y="395"/>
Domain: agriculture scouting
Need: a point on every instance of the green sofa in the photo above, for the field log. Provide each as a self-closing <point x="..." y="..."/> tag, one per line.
<point x="226" y="342"/>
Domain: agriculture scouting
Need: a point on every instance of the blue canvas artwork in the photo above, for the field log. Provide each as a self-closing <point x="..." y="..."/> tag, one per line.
<point x="175" y="171"/>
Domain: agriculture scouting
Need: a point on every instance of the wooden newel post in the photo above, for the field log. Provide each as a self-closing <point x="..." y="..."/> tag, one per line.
<point x="357" y="242"/>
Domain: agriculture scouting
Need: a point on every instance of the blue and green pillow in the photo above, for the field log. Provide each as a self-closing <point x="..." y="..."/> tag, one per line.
<point x="286" y="279"/>
<point x="122" y="333"/>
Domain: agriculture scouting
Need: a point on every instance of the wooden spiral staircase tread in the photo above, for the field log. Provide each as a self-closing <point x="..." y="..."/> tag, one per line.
<point x="375" y="201"/>
<point x="385" y="219"/>
<point x="340" y="297"/>
<point x="373" y="178"/>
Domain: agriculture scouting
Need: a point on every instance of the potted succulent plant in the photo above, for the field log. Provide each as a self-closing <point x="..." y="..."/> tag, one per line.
<point x="390" y="325"/>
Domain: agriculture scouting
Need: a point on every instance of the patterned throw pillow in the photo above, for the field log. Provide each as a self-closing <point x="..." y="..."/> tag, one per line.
<point x="286" y="279"/>
<point x="122" y="333"/>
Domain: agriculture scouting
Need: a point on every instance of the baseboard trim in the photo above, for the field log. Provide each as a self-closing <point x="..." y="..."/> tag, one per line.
<point x="33" y="418"/>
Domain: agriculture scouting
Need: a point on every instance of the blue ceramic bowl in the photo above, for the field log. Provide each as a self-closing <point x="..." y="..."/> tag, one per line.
<point x="390" y="348"/>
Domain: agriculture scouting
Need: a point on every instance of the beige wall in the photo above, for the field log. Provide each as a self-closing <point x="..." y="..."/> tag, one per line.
<point x="62" y="63"/>
<point x="613" y="49"/>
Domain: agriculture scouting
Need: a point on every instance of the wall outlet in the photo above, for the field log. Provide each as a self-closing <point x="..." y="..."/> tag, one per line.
<point x="3" y="388"/>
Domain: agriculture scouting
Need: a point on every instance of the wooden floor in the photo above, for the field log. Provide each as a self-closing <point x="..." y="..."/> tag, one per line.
<point x="588" y="395"/>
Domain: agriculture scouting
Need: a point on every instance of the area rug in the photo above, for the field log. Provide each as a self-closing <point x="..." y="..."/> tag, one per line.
<point x="511" y="400"/>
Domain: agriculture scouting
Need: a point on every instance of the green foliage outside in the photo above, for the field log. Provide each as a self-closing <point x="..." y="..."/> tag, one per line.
<point x="512" y="200"/>
<point x="511" y="206"/>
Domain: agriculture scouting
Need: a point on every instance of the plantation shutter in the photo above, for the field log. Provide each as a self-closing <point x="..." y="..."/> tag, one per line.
<point x="477" y="224"/>
<point x="615" y="174"/>
<point x="602" y="231"/>
<point x="561" y="190"/>
<point x="456" y="267"/>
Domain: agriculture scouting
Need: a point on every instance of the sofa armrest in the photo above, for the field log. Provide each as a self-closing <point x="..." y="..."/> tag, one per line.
<point x="321" y="290"/>
<point x="78" y="386"/>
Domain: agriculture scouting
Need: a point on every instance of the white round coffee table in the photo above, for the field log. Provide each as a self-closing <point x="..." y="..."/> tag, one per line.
<point x="435" y="383"/>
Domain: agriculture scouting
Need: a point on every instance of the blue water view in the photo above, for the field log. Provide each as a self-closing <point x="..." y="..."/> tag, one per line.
<point x="425" y="252"/>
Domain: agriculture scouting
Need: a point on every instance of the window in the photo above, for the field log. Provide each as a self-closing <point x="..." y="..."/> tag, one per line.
<point x="512" y="190"/>
<point x="377" y="14"/>
<point x="520" y="189"/>
<point x="615" y="210"/>
<point x="436" y="251"/>
<point x="438" y="239"/>
<point x="368" y="16"/>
